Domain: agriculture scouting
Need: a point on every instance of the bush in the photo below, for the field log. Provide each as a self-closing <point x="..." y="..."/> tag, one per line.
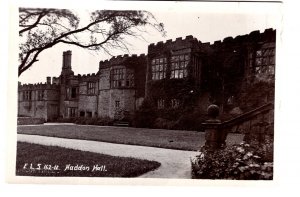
<point x="241" y="162"/>
<point x="191" y="121"/>
<point x="161" y="123"/>
<point x="104" y="121"/>
<point x="145" y="116"/>
<point x="257" y="94"/>
<point x="66" y="120"/>
<point x="80" y="120"/>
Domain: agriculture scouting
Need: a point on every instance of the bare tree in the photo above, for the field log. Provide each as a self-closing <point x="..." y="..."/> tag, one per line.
<point x="41" y="29"/>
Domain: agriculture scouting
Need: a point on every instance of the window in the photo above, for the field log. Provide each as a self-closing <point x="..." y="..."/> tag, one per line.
<point x="159" y="67"/>
<point x="82" y="114"/>
<point x="91" y="87"/>
<point x="264" y="62"/>
<point x="89" y="114"/>
<point x="72" y="92"/>
<point x="72" y="111"/>
<point x="40" y="95"/>
<point x="117" y="104"/>
<point x="117" y="76"/>
<point x="175" y="103"/>
<point x="179" y="66"/>
<point x="121" y="77"/>
<point x="27" y="95"/>
<point x="160" y="103"/>
<point x="129" y="79"/>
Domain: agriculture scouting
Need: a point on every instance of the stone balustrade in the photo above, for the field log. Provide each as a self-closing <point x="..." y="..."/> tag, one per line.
<point x="255" y="123"/>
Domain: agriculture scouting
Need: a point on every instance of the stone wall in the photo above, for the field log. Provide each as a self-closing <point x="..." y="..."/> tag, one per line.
<point x="88" y="100"/>
<point x="35" y="100"/>
<point x="109" y="97"/>
<point x="120" y="102"/>
<point x="126" y="98"/>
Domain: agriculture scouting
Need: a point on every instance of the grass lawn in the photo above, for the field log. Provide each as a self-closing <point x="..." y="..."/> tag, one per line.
<point x="39" y="160"/>
<point x="173" y="139"/>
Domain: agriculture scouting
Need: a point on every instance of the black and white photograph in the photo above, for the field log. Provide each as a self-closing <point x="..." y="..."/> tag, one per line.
<point x="170" y="91"/>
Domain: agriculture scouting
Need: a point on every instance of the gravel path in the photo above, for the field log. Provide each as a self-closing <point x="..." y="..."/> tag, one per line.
<point x="174" y="163"/>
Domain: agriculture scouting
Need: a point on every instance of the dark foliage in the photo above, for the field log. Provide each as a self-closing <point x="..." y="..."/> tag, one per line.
<point x="101" y="121"/>
<point x="257" y="94"/>
<point x="241" y="162"/>
<point x="145" y="116"/>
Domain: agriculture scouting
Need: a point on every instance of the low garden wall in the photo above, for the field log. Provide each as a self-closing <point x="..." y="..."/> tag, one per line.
<point x="30" y="120"/>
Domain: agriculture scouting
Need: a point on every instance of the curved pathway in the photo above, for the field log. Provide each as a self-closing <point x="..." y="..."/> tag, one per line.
<point x="174" y="163"/>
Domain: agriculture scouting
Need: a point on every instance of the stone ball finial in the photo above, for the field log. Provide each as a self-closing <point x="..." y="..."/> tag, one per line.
<point x="213" y="111"/>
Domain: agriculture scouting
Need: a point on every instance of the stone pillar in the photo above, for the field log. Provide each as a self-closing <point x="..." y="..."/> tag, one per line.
<point x="215" y="135"/>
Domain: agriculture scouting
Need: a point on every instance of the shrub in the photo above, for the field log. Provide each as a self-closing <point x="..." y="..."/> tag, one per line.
<point x="190" y="121"/>
<point x="104" y="121"/>
<point x="256" y="95"/>
<point x="80" y="120"/>
<point x="241" y="162"/>
<point x="90" y="121"/>
<point x="66" y="120"/>
<point x="161" y="123"/>
<point x="145" y="116"/>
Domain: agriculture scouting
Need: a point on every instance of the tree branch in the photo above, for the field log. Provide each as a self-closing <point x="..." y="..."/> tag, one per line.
<point x="42" y="14"/>
<point x="110" y="35"/>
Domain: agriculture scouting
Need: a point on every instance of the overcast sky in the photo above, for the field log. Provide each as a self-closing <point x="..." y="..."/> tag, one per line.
<point x="207" y="22"/>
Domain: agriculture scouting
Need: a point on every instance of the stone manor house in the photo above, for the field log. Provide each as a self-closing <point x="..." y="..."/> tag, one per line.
<point x="172" y="75"/>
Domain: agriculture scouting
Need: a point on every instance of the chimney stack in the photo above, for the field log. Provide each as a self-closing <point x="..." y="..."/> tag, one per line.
<point x="67" y="56"/>
<point x="48" y="80"/>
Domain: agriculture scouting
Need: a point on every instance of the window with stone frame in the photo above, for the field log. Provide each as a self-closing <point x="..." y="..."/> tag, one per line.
<point x="72" y="112"/>
<point x="121" y="77"/>
<point x="160" y="104"/>
<point x="72" y="92"/>
<point x="27" y="95"/>
<point x="175" y="103"/>
<point x="40" y="95"/>
<point x="82" y="113"/>
<point x="91" y="88"/>
<point x="117" y="104"/>
<point x="129" y="78"/>
<point x="89" y="114"/>
<point x="117" y="77"/>
<point x="179" y="66"/>
<point x="158" y="68"/>
<point x="264" y="62"/>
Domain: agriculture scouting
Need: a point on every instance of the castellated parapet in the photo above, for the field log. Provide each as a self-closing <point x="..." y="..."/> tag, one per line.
<point x="88" y="77"/>
<point x="269" y="35"/>
<point x="178" y="43"/>
<point x="126" y="60"/>
<point x="38" y="86"/>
